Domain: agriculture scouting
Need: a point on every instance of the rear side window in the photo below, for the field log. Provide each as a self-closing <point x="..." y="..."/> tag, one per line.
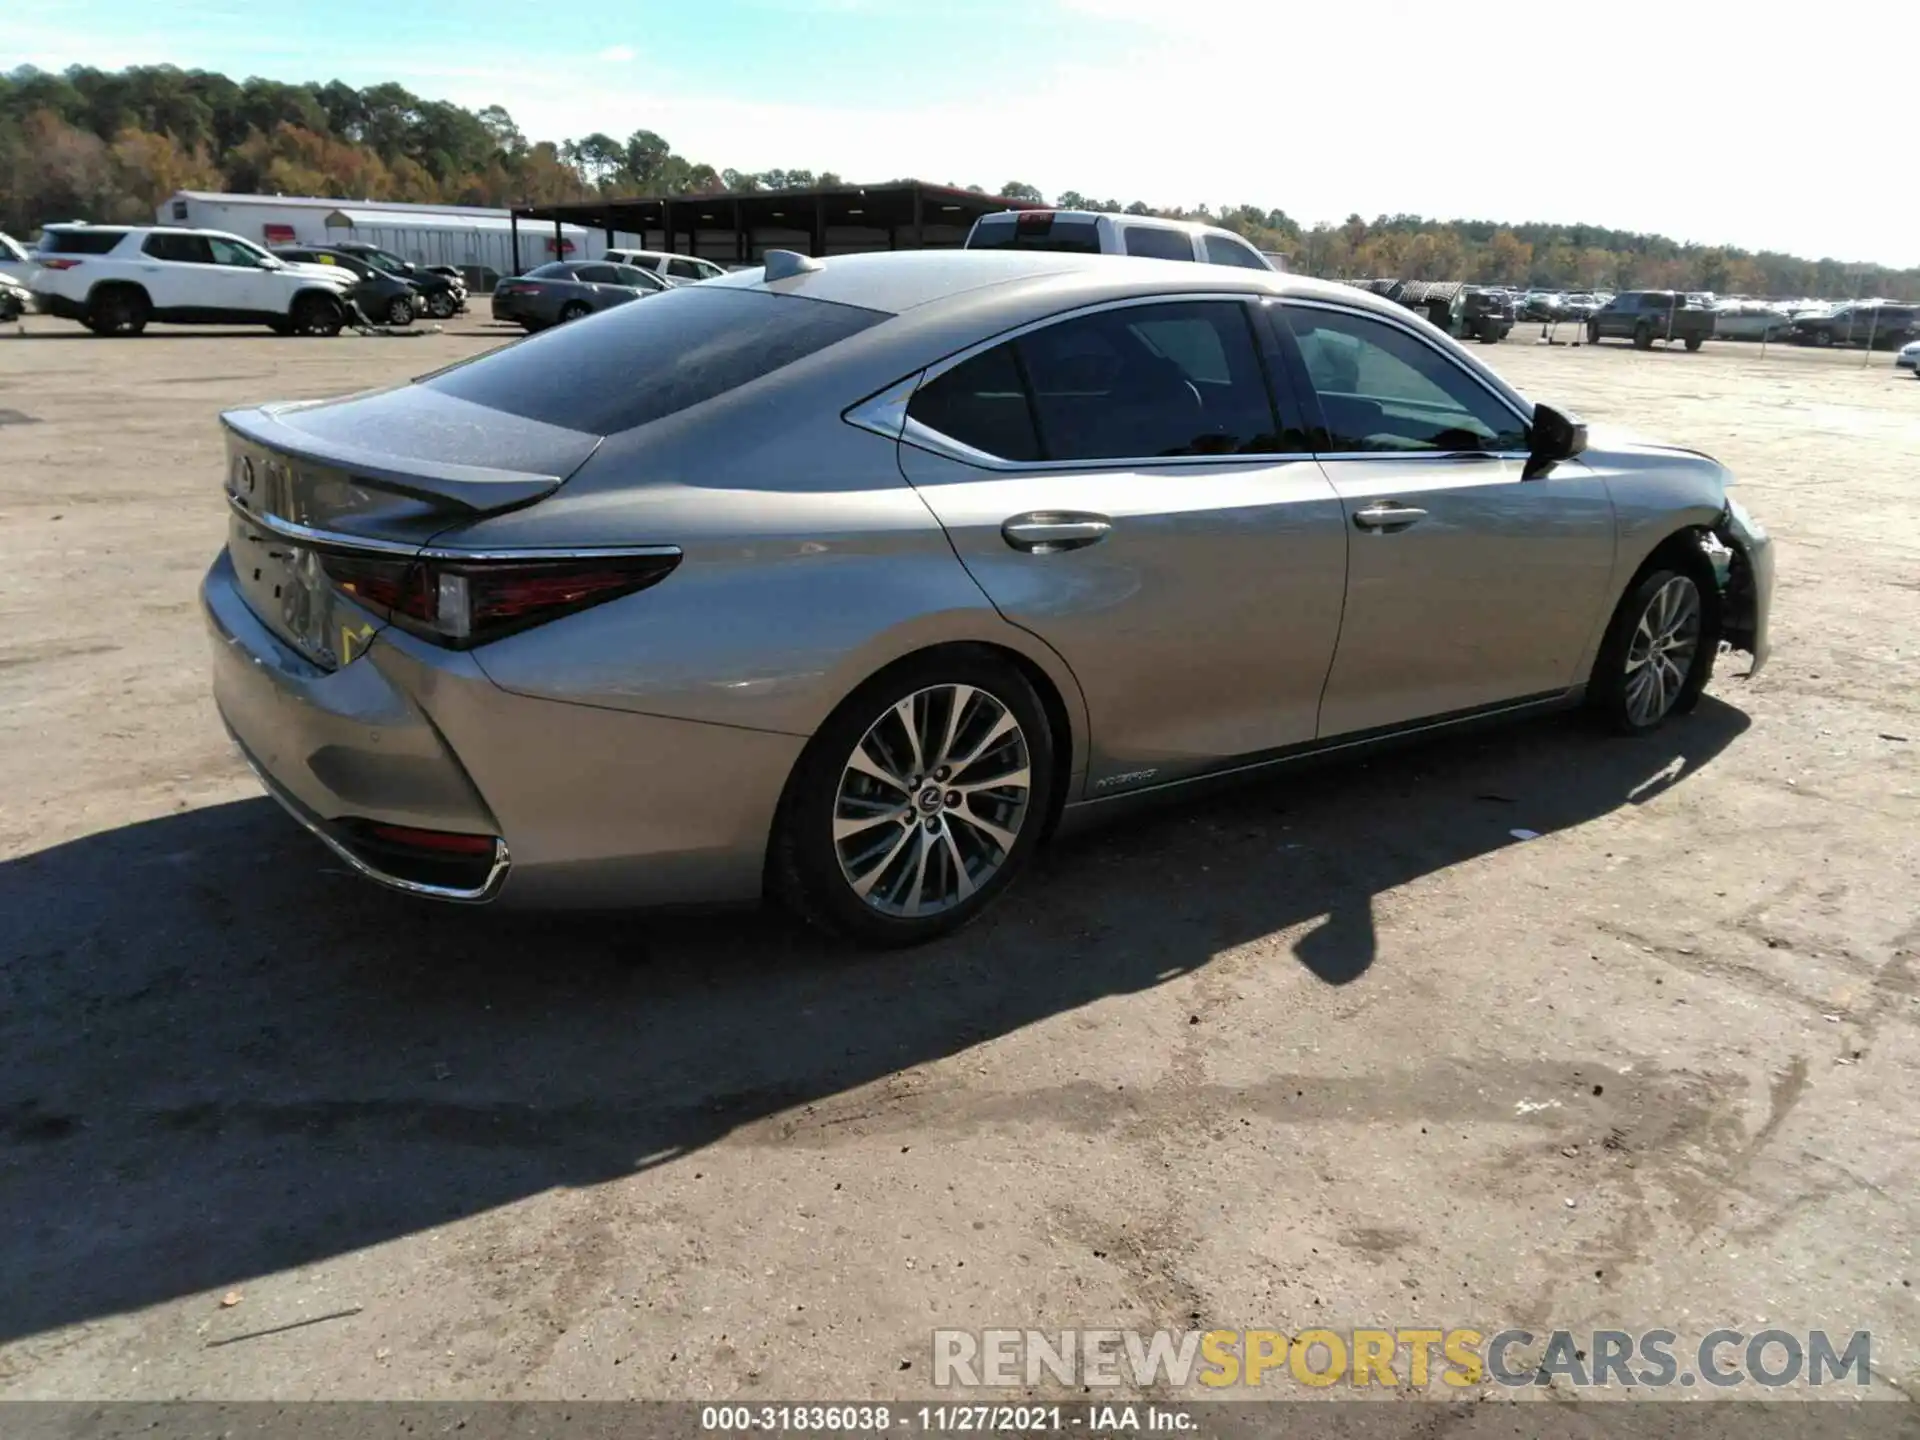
<point x="982" y="403"/>
<point x="597" y="275"/>
<point x="80" y="242"/>
<point x="638" y="363"/>
<point x="1037" y="230"/>
<point x="1135" y="383"/>
<point x="179" y="249"/>
<point x="1158" y="244"/>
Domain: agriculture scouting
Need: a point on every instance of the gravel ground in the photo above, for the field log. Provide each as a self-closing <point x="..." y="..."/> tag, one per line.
<point x="1334" y="1050"/>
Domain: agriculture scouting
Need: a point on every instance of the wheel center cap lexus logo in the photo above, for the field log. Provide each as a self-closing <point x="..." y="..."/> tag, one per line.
<point x="930" y="799"/>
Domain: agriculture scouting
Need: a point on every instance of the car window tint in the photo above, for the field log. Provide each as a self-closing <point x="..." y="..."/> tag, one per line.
<point x="179" y="249"/>
<point x="552" y="270"/>
<point x="638" y="363"/>
<point x="1222" y="251"/>
<point x="639" y="279"/>
<point x="1158" y="244"/>
<point x="225" y="252"/>
<point x="685" y="270"/>
<point x="80" y="242"/>
<point x="1139" y="382"/>
<point x="1036" y="230"/>
<point x="981" y="403"/>
<point x="1381" y="389"/>
<point x="597" y="275"/>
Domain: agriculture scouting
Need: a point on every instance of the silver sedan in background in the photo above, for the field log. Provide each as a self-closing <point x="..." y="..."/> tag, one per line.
<point x="570" y="290"/>
<point x="848" y="581"/>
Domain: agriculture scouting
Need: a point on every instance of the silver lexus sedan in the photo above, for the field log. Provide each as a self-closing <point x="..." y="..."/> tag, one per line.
<point x="848" y="581"/>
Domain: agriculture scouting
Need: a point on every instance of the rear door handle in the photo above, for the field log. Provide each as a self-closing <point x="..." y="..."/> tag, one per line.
<point x="1388" y="516"/>
<point x="1047" y="532"/>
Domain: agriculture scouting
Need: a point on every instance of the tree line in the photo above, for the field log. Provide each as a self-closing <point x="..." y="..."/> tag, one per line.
<point x="110" y="146"/>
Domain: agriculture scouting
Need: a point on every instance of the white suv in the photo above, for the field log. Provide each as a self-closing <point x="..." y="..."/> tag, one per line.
<point x="115" y="278"/>
<point x="676" y="269"/>
<point x="1091" y="232"/>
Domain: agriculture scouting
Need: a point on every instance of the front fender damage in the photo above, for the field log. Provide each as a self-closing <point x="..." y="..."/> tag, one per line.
<point x="1741" y="553"/>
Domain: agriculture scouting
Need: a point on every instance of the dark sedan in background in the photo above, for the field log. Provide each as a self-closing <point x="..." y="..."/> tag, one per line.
<point x="1872" y="324"/>
<point x="568" y="289"/>
<point x="384" y="299"/>
<point x="443" y="298"/>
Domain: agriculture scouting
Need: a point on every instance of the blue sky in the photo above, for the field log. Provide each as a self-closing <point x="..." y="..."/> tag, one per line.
<point x="1508" y="109"/>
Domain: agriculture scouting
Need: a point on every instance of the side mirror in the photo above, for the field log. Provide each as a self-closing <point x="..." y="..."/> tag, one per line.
<point x="1553" y="437"/>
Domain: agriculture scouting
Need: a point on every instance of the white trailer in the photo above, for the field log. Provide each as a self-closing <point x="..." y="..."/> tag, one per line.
<point x="475" y="239"/>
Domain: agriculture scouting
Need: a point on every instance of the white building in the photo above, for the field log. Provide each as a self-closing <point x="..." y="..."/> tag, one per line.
<point x="467" y="236"/>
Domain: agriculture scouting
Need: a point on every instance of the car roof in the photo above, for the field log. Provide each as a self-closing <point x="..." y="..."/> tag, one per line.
<point x="897" y="281"/>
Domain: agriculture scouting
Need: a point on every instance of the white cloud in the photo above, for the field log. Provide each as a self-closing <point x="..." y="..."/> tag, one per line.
<point x="618" y="53"/>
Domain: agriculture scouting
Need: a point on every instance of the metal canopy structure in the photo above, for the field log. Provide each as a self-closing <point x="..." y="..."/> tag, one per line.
<point x="740" y="226"/>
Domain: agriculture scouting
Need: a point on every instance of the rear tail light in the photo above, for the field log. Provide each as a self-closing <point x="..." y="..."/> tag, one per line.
<point x="1040" y="220"/>
<point x="463" y="603"/>
<point x="59" y="262"/>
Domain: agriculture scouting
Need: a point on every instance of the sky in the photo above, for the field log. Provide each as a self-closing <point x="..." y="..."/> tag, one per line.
<point x="1700" y="119"/>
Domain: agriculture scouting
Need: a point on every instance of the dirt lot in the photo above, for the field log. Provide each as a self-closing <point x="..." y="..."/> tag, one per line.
<point x="1337" y="1050"/>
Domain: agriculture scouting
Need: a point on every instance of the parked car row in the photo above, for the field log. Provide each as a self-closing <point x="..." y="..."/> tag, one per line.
<point x="117" y="279"/>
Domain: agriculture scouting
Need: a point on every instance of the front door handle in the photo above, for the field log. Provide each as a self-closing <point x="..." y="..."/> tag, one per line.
<point x="1388" y="516"/>
<point x="1047" y="532"/>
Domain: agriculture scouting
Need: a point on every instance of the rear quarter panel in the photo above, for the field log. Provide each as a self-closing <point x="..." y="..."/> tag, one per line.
<point x="808" y="565"/>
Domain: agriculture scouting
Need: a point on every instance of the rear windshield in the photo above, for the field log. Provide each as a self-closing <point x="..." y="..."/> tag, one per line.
<point x="552" y="270"/>
<point x="634" y="364"/>
<point x="1036" y="230"/>
<point x="80" y="242"/>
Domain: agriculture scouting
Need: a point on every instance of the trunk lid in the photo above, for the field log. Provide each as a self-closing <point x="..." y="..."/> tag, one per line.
<point x="381" y="473"/>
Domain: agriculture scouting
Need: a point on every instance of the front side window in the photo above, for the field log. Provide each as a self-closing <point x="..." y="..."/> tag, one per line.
<point x="1382" y="390"/>
<point x="1158" y="244"/>
<point x="685" y="270"/>
<point x="597" y="275"/>
<point x="639" y="279"/>
<point x="1222" y="251"/>
<point x="1134" y="383"/>
<point x="228" y="252"/>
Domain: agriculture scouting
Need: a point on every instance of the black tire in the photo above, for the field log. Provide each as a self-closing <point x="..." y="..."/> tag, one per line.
<point x="118" y="310"/>
<point x="1643" y="336"/>
<point x="441" y="305"/>
<point x="1694" y="342"/>
<point x="399" y="311"/>
<point x="1823" y="338"/>
<point x="1593" y="332"/>
<point x="806" y="870"/>
<point x="574" y="310"/>
<point x="1608" y="690"/>
<point x="315" y="314"/>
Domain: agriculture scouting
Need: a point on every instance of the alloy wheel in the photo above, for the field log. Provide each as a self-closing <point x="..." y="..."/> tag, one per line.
<point x="1661" y="653"/>
<point x="931" y="801"/>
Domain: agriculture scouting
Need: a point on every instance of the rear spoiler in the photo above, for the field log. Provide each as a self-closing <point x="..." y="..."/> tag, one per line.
<point x="548" y="454"/>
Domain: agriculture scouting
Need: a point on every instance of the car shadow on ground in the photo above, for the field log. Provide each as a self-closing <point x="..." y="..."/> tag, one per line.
<point x="224" y="1057"/>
